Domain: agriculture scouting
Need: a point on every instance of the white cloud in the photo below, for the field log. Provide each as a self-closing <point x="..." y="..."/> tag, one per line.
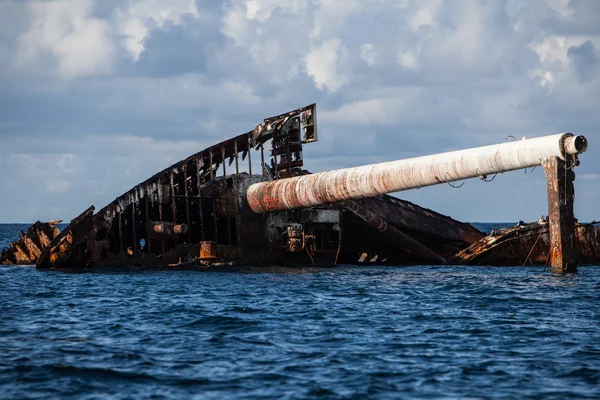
<point x="372" y="112"/>
<point x="261" y="10"/>
<point x="288" y="37"/>
<point x="423" y="17"/>
<point x="135" y="31"/>
<point x="368" y="53"/>
<point x="141" y="16"/>
<point x="473" y="36"/>
<point x="409" y="59"/>
<point x="329" y="17"/>
<point x="554" y="63"/>
<point x="273" y="33"/>
<point x="65" y="30"/>
<point x="326" y="64"/>
<point x="236" y="26"/>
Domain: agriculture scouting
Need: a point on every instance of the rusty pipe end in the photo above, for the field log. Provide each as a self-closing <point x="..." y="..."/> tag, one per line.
<point x="255" y="195"/>
<point x="180" y="229"/>
<point x="576" y="144"/>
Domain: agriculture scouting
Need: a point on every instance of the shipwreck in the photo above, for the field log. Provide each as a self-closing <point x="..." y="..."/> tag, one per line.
<point x="203" y="212"/>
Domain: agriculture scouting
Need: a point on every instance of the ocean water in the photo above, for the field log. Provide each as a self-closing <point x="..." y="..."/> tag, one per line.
<point x="343" y="333"/>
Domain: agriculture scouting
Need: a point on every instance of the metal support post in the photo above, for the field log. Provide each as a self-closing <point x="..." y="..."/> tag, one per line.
<point x="561" y="193"/>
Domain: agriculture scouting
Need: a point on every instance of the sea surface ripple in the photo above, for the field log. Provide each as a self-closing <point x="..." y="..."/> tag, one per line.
<point x="348" y="332"/>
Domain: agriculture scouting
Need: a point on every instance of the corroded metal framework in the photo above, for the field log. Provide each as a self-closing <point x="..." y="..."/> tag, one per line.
<point x="144" y="225"/>
<point x="204" y="212"/>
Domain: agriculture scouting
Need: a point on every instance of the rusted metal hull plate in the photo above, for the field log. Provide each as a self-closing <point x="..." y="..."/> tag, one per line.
<point x="27" y="249"/>
<point x="527" y="244"/>
<point x="68" y="249"/>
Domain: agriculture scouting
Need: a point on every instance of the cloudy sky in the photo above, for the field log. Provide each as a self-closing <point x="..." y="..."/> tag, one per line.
<point x="96" y="96"/>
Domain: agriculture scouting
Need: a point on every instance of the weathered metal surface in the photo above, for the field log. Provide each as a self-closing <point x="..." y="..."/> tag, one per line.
<point x="560" y="176"/>
<point x="32" y="249"/>
<point x="363" y="243"/>
<point x="65" y="249"/>
<point x="574" y="145"/>
<point x="587" y="240"/>
<point x="208" y="250"/>
<point x="508" y="246"/>
<point x="304" y="237"/>
<point x="444" y="235"/>
<point x="27" y="249"/>
<point x="372" y="180"/>
<point x="272" y="126"/>
<point x="401" y="239"/>
<point x="527" y="244"/>
<point x="295" y="242"/>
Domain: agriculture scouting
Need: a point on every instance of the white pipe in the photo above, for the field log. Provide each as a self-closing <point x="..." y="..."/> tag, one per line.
<point x="394" y="176"/>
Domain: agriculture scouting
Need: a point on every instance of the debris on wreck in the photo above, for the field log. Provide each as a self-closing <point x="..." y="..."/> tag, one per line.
<point x="528" y="244"/>
<point x="29" y="246"/>
<point x="204" y="211"/>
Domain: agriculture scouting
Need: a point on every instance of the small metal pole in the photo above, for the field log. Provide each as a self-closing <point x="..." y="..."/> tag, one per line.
<point x="120" y="232"/>
<point x="199" y="184"/>
<point x="215" y="220"/>
<point x="160" y="212"/>
<point x="160" y="209"/>
<point x="211" y="165"/>
<point x="187" y="203"/>
<point x="249" y="159"/>
<point x="228" y="221"/>
<point x="147" y="219"/>
<point x="173" y="205"/>
<point x="133" y="226"/>
<point x="289" y="160"/>
<point x="262" y="158"/>
<point x="237" y="156"/>
<point x="223" y="160"/>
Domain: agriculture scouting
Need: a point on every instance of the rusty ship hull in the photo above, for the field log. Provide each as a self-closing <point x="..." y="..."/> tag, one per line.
<point x="196" y="213"/>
